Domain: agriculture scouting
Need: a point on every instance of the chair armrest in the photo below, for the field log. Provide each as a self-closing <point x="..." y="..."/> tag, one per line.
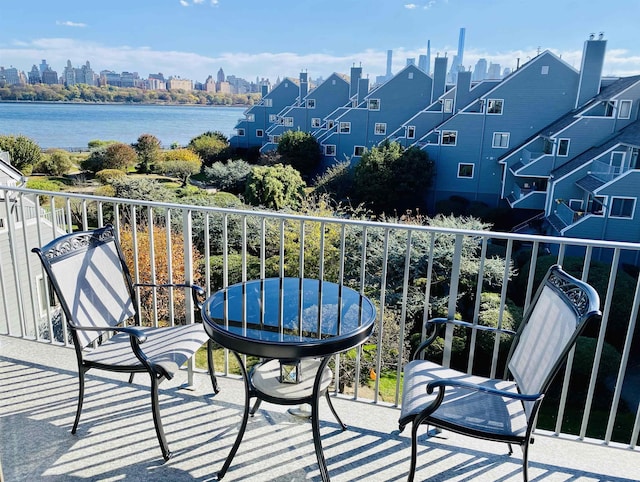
<point x="435" y="326"/>
<point x="196" y="290"/>
<point x="442" y="384"/>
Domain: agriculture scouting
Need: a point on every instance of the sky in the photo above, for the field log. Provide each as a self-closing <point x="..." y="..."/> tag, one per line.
<point x="278" y="38"/>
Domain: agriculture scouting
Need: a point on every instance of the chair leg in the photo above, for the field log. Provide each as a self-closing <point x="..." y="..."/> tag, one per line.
<point x="131" y="378"/>
<point x="155" y="408"/>
<point x="255" y="407"/>
<point x="333" y="410"/>
<point x="211" y="366"/>
<point x="525" y="461"/>
<point x="81" y="372"/>
<point x="414" y="451"/>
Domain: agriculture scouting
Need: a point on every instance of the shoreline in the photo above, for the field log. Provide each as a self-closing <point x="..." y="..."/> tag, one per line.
<point x="170" y="104"/>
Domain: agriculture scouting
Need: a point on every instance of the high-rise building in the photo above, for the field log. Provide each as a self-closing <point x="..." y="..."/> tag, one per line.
<point x="69" y="74"/>
<point x="389" y="74"/>
<point x="34" y="75"/>
<point x="411" y="61"/>
<point x="50" y="77"/>
<point x="458" y="59"/>
<point x="221" y="77"/>
<point x="43" y="67"/>
<point x="9" y="76"/>
<point x="480" y="70"/>
<point x="422" y="63"/>
<point x="493" y="72"/>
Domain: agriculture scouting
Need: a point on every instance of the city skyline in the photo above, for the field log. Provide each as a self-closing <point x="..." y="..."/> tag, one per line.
<point x="194" y="38"/>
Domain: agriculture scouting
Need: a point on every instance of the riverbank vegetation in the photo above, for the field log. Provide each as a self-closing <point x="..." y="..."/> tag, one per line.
<point x="129" y="95"/>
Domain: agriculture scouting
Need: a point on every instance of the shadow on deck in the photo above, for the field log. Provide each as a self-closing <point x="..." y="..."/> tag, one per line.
<point x="116" y="439"/>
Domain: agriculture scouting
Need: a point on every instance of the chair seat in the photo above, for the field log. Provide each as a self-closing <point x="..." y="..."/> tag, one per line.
<point x="167" y="347"/>
<point x="463" y="410"/>
<point x="266" y="379"/>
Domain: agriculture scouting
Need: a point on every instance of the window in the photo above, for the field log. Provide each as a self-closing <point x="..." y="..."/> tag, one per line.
<point x="625" y="109"/>
<point x="380" y="129"/>
<point x="494" y="106"/>
<point x="465" y="170"/>
<point x="286" y="84"/>
<point x="374" y="104"/>
<point x="447" y="105"/>
<point x="449" y="138"/>
<point x="273" y="118"/>
<point x="251" y="118"/>
<point x="330" y="150"/>
<point x="563" y="147"/>
<point x="331" y="124"/>
<point x="315" y="122"/>
<point x="411" y="132"/>
<point x="622" y="207"/>
<point x="311" y="103"/>
<point x="500" y="140"/>
<point x="358" y="151"/>
<point x="609" y="107"/>
<point x="288" y="121"/>
<point x="410" y="75"/>
<point x="259" y="133"/>
<point x="267" y="102"/>
<point x="575" y="204"/>
<point x="345" y="127"/>
<point x="241" y="132"/>
<point x="544" y="70"/>
<point x="276" y="139"/>
<point x="596" y="205"/>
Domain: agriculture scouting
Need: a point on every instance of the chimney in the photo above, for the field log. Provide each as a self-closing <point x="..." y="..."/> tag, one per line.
<point x="363" y="89"/>
<point x="264" y="90"/>
<point x="304" y="85"/>
<point x="439" y="77"/>
<point x="591" y="69"/>
<point x="463" y="87"/>
<point x="356" y="75"/>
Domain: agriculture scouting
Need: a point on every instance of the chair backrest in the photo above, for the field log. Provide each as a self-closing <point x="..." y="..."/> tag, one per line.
<point x="557" y="316"/>
<point x="91" y="280"/>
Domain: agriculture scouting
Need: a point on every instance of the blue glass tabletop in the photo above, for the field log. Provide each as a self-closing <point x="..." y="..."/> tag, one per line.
<point x="288" y="317"/>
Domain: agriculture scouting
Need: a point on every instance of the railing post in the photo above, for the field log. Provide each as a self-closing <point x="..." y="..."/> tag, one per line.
<point x="188" y="275"/>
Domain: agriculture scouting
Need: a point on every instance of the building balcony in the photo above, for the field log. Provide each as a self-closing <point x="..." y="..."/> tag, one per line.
<point x="588" y="428"/>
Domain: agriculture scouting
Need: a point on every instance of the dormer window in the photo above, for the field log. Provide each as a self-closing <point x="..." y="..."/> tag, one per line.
<point x="447" y="105"/>
<point x="374" y="104"/>
<point x="311" y="103"/>
<point x="624" y="112"/>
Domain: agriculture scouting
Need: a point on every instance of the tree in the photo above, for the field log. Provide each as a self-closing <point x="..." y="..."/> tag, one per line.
<point x="23" y="151"/>
<point x="55" y="162"/>
<point x="211" y="147"/>
<point x="274" y="187"/>
<point x="119" y="156"/>
<point x="389" y="178"/>
<point x="149" y="152"/>
<point x="181" y="163"/>
<point x="230" y="176"/>
<point x="300" y="150"/>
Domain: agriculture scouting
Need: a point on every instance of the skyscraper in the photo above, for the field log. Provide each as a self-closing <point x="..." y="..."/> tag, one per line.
<point x="458" y="59"/>
<point x="389" y="61"/>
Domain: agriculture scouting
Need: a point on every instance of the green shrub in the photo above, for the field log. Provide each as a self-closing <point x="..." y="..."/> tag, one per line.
<point x="106" y="191"/>
<point x="230" y="176"/>
<point x="107" y="176"/>
<point x="55" y="162"/>
<point x="24" y="152"/>
<point x="44" y="185"/>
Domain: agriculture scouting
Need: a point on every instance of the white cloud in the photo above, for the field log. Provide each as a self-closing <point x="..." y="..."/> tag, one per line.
<point x="68" y="23"/>
<point x="410" y="6"/>
<point x="429" y="4"/>
<point x="198" y="1"/>
<point x="215" y="3"/>
<point x="184" y="3"/>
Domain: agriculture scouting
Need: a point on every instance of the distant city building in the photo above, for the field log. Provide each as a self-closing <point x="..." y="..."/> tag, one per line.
<point x="411" y="61"/>
<point x="34" y="75"/>
<point x="85" y="75"/>
<point x="210" y="84"/>
<point x="154" y="83"/>
<point x="422" y="64"/>
<point x="493" y="72"/>
<point x="480" y="70"/>
<point x="221" y="77"/>
<point x="176" y="83"/>
<point x="44" y="67"/>
<point x="50" y="77"/>
<point x="458" y="59"/>
<point x="9" y="76"/>
<point x="69" y="75"/>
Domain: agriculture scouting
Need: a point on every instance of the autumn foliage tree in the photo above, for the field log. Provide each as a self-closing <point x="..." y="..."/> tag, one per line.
<point x="166" y="300"/>
<point x="181" y="163"/>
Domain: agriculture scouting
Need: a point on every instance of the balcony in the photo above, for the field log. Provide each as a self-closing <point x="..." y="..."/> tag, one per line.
<point x="409" y="271"/>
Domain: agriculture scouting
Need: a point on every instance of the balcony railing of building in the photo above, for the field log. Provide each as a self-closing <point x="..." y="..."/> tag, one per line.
<point x="411" y="271"/>
<point x="606" y="172"/>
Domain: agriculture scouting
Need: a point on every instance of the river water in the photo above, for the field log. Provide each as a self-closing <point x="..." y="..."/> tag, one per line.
<point x="74" y="125"/>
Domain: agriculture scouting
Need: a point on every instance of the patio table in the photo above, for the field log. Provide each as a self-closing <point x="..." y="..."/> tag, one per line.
<point x="295" y="325"/>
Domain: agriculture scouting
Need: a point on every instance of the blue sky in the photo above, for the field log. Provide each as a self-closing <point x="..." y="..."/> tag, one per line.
<point x="249" y="38"/>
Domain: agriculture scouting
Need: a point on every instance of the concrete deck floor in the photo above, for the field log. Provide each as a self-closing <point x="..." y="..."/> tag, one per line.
<point x="116" y="440"/>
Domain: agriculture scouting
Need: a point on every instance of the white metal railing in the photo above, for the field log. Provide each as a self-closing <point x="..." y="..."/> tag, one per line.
<point x="410" y="271"/>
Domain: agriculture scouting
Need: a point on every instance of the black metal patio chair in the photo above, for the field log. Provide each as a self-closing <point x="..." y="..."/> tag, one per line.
<point x="502" y="410"/>
<point x="89" y="276"/>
